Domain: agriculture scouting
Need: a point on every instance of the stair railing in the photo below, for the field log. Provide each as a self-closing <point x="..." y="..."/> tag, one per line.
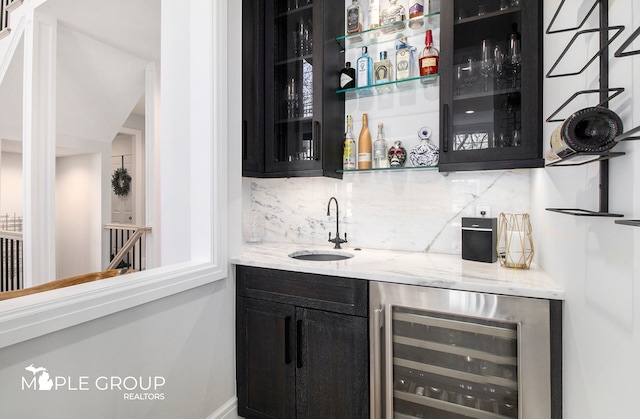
<point x="11" y="272"/>
<point x="5" y="7"/>
<point x="126" y="246"/>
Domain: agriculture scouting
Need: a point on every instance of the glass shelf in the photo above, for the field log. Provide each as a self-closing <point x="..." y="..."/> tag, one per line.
<point x="388" y="32"/>
<point x="391" y="87"/>
<point x="389" y="169"/>
<point x="487" y="15"/>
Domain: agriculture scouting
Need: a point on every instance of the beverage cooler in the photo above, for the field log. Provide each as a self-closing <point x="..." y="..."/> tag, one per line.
<point x="441" y="354"/>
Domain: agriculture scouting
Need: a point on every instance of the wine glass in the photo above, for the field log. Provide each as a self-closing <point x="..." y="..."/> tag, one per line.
<point x="291" y="98"/>
<point x="498" y="65"/>
<point x="459" y="79"/>
<point x="514" y="57"/>
<point x="470" y="72"/>
<point x="485" y="64"/>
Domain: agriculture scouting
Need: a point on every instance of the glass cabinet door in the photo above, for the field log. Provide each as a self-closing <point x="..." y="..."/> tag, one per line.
<point x="290" y="74"/>
<point x="491" y="101"/>
<point x="453" y="367"/>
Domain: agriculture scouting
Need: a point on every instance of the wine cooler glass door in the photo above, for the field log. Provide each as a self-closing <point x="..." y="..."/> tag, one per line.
<point x="449" y="366"/>
<point x="452" y="354"/>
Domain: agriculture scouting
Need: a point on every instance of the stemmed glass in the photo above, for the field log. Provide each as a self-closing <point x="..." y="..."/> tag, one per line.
<point x="514" y="57"/>
<point x="486" y="64"/>
<point x="470" y="72"/>
<point x="498" y="68"/>
<point x="291" y="98"/>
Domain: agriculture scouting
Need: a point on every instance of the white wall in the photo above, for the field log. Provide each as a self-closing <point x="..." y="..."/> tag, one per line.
<point x="11" y="184"/>
<point x="79" y="225"/>
<point x="188" y="338"/>
<point x="594" y="259"/>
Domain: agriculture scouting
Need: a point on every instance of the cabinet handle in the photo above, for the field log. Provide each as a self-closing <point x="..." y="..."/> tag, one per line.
<point x="445" y="127"/>
<point x="244" y="139"/>
<point x="376" y="364"/>
<point x="299" y="344"/>
<point x="287" y="340"/>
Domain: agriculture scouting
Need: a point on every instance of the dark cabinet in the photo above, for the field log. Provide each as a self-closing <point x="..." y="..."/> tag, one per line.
<point x="491" y="84"/>
<point x="293" y="121"/>
<point x="302" y="345"/>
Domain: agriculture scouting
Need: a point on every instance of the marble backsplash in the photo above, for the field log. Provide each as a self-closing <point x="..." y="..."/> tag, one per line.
<point x="412" y="210"/>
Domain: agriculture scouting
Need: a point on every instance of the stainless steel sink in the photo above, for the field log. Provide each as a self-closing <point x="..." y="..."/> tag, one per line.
<point x="321" y="255"/>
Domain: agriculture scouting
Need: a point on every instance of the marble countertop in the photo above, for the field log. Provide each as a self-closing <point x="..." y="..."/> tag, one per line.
<point x="413" y="268"/>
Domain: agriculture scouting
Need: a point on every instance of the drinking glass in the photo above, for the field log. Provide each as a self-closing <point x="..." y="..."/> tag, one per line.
<point x="516" y="140"/>
<point x="459" y="80"/>
<point x="498" y="65"/>
<point x="470" y="72"/>
<point x="514" y="57"/>
<point x="486" y="64"/>
<point x="504" y="4"/>
<point x="291" y="98"/>
<point x="482" y="9"/>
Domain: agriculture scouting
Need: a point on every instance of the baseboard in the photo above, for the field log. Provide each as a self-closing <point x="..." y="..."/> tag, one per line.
<point x="229" y="410"/>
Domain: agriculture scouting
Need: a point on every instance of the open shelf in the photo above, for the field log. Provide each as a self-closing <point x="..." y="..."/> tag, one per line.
<point x="390" y="87"/>
<point x="389" y="169"/>
<point x="390" y="32"/>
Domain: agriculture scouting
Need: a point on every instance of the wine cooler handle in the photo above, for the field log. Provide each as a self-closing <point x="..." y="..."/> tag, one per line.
<point x="445" y="127"/>
<point x="287" y="340"/>
<point x="244" y="139"/>
<point x="299" y="344"/>
<point x="376" y="364"/>
<point x="315" y="139"/>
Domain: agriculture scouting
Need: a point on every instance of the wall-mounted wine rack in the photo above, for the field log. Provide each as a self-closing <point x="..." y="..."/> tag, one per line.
<point x="605" y="93"/>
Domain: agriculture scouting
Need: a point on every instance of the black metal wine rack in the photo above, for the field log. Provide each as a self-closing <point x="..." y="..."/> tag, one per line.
<point x="605" y="93"/>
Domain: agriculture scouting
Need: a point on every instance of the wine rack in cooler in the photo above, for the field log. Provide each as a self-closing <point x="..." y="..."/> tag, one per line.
<point x="451" y="367"/>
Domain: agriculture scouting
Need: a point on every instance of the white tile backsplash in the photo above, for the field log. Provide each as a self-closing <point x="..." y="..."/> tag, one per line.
<point x="413" y="210"/>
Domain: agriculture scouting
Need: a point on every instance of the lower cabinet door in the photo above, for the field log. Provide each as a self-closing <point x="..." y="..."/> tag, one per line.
<point x="332" y="365"/>
<point x="265" y="344"/>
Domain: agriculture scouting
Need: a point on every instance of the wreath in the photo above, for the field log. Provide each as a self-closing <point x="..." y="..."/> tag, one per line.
<point x="121" y="182"/>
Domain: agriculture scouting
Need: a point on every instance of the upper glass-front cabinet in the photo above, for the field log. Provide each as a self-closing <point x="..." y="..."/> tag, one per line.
<point x="300" y="58"/>
<point x="491" y="83"/>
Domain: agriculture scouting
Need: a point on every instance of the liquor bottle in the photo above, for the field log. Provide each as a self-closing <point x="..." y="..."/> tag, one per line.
<point x="365" y="69"/>
<point x="347" y="77"/>
<point x="382" y="71"/>
<point x="374" y="15"/>
<point x="354" y="17"/>
<point x="380" y="148"/>
<point x="404" y="60"/>
<point x="428" y="62"/>
<point x="349" y="151"/>
<point x="416" y="12"/>
<point x="364" y="144"/>
<point x="394" y="17"/>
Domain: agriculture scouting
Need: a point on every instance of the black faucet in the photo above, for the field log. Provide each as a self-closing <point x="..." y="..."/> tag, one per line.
<point x="337" y="239"/>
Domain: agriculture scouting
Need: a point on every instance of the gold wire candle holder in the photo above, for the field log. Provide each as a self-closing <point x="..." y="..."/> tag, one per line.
<point x="515" y="242"/>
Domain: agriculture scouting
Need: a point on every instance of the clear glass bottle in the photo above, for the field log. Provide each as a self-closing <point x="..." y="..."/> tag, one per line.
<point x="364" y="144"/>
<point x="364" y="66"/>
<point x="382" y="73"/>
<point x="354" y="17"/>
<point x="349" y="152"/>
<point x="404" y="60"/>
<point x="416" y="13"/>
<point x="428" y="62"/>
<point x="394" y="16"/>
<point x="374" y="15"/>
<point x="380" y="148"/>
